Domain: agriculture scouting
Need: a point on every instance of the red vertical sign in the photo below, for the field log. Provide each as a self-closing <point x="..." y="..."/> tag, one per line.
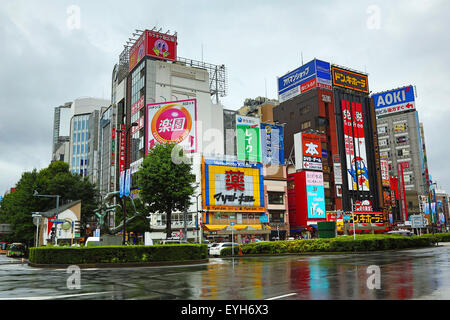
<point x="122" y="148"/>
<point x="401" y="166"/>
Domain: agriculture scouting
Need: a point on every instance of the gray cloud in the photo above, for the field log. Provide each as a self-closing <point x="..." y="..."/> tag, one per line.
<point x="45" y="64"/>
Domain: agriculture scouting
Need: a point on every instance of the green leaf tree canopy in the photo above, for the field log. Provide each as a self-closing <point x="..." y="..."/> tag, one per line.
<point x="166" y="185"/>
<point x="17" y="207"/>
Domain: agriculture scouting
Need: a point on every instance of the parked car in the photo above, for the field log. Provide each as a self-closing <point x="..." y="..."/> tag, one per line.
<point x="218" y="247"/>
<point x="402" y="232"/>
<point x="171" y="241"/>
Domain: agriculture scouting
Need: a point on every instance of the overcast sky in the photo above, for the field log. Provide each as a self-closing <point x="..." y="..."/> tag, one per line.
<point x="50" y="55"/>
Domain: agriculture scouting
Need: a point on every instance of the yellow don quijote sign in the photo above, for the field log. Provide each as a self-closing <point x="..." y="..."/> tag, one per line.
<point x="232" y="186"/>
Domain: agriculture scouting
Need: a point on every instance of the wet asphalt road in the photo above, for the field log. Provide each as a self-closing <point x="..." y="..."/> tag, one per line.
<point x="406" y="274"/>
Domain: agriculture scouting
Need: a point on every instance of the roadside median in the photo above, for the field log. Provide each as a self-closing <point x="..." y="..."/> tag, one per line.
<point x="118" y="256"/>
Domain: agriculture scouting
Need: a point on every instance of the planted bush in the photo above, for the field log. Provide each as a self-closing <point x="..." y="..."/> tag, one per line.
<point x="118" y="254"/>
<point x="341" y="244"/>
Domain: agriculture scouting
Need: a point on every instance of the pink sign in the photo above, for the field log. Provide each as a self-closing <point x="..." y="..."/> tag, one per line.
<point x="172" y="122"/>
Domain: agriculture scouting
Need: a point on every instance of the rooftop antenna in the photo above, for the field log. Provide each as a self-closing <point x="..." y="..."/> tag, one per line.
<point x="302" y="56"/>
<point x="202" y="52"/>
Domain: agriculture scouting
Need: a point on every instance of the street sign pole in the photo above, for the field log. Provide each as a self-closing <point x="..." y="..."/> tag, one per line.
<point x="353" y="217"/>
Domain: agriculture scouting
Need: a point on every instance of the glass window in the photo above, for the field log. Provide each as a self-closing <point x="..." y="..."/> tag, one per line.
<point x="78" y="137"/>
<point x="83" y="124"/>
<point x="306" y="124"/>
<point x="74" y="138"/>
<point x="82" y="148"/>
<point x="276" y="197"/>
<point x="78" y="149"/>
<point x="74" y="126"/>
<point x="74" y="149"/>
<point x="73" y="161"/>
<point x="82" y="137"/>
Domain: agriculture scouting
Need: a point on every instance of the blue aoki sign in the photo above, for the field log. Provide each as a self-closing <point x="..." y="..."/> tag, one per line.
<point x="394" y="101"/>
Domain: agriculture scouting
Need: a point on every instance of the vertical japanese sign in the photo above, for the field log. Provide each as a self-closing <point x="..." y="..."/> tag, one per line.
<point x="401" y="179"/>
<point x="113" y="146"/>
<point x="385" y="173"/>
<point x="248" y="139"/>
<point x="272" y="145"/>
<point x="308" y="151"/>
<point x="355" y="146"/>
<point x="122" y="148"/>
<point x="172" y="122"/>
<point x="315" y="195"/>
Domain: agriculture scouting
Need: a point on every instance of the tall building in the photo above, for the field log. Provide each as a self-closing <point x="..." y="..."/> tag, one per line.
<point x="84" y="136"/>
<point x="400" y="138"/>
<point x="61" y="138"/>
<point x="79" y="147"/>
<point x="168" y="98"/>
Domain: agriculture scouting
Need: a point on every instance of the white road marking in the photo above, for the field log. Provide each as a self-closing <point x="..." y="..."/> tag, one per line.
<point x="57" y="297"/>
<point x="283" y="296"/>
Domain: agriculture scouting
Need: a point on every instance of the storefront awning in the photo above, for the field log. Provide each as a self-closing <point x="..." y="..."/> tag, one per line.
<point x="215" y="227"/>
<point x="238" y="227"/>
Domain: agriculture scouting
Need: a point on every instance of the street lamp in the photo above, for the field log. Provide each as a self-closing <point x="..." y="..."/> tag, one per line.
<point x="37" y="222"/>
<point x="127" y="132"/>
<point x="36" y="194"/>
<point x="198" y="221"/>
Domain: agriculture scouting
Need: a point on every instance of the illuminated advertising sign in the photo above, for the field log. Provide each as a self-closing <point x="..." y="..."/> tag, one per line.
<point x="355" y="146"/>
<point x="138" y="105"/>
<point x="248" y="139"/>
<point x="122" y="149"/>
<point x="308" y="151"/>
<point x="315" y="73"/>
<point x="385" y="173"/>
<point x="365" y="217"/>
<point x="349" y="79"/>
<point x="272" y="145"/>
<point x="315" y="195"/>
<point x="394" y="101"/>
<point x="232" y="186"/>
<point x="172" y="122"/>
<point x="154" y="44"/>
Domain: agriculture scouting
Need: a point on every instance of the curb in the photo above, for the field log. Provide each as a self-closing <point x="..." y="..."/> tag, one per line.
<point x="119" y="265"/>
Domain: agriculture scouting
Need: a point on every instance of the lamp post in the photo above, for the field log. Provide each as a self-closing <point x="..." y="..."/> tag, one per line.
<point x="37" y="221"/>
<point x="127" y="132"/>
<point x="198" y="221"/>
<point x="36" y="194"/>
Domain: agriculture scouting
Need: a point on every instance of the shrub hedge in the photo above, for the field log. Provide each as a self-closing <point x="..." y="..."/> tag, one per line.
<point x="340" y="244"/>
<point x="118" y="254"/>
<point x="440" y="237"/>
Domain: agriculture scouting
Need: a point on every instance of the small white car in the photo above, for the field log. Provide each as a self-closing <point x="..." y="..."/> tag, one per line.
<point x="218" y="247"/>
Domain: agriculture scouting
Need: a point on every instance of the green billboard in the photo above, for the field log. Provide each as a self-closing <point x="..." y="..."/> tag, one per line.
<point x="248" y="139"/>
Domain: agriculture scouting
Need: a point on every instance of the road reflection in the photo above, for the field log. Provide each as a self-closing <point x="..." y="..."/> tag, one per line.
<point x="403" y="275"/>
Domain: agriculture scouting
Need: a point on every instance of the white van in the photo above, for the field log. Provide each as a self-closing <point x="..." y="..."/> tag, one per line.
<point x="92" y="241"/>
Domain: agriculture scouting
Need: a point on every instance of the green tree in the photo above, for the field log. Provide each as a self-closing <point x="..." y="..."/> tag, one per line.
<point x="56" y="179"/>
<point x="166" y="181"/>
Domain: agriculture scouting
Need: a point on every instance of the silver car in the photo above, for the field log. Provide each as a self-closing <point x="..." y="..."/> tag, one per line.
<point x="218" y="247"/>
